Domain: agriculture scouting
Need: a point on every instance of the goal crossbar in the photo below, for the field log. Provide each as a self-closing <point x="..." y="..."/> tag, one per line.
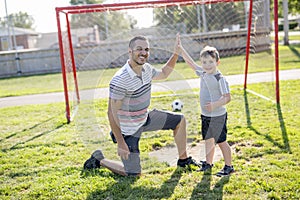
<point x="135" y="5"/>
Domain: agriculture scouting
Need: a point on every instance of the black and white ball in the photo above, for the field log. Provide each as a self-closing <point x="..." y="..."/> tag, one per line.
<point x="177" y="105"/>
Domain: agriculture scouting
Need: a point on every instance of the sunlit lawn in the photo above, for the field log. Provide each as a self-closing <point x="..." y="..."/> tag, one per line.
<point x="42" y="156"/>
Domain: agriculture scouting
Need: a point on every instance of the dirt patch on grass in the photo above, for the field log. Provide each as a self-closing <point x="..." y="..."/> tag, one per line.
<point x="170" y="154"/>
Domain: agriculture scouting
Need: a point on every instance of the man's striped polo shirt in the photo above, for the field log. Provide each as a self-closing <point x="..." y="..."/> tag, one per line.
<point x="135" y="92"/>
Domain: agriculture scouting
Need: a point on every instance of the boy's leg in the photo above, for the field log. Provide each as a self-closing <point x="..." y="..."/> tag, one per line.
<point x="213" y="131"/>
<point x="210" y="150"/>
<point x="226" y="151"/>
<point x="223" y="144"/>
<point x="208" y="137"/>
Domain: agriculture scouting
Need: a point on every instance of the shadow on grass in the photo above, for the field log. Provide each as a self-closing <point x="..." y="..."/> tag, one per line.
<point x="124" y="188"/>
<point x="286" y="146"/>
<point x="204" y="191"/>
<point x="15" y="146"/>
<point x="294" y="50"/>
<point x="26" y="129"/>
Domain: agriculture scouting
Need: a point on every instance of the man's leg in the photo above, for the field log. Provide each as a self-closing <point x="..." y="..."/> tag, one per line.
<point x="180" y="138"/>
<point x="114" y="166"/>
<point x="132" y="165"/>
<point x="129" y="167"/>
<point x="97" y="159"/>
<point x="163" y="120"/>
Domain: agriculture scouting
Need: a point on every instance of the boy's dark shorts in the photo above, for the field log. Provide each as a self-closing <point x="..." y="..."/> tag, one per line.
<point x="157" y="120"/>
<point x="214" y="127"/>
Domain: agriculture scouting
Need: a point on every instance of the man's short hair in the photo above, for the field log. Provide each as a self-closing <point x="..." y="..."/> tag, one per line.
<point x="210" y="51"/>
<point x="132" y="41"/>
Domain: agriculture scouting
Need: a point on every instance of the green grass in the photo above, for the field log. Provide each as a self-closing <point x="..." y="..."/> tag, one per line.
<point x="289" y="59"/>
<point x="42" y="156"/>
<point x="291" y="37"/>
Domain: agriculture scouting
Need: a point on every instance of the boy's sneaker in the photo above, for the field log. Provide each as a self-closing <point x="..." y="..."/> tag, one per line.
<point x="205" y="166"/>
<point x="94" y="161"/>
<point x="227" y="170"/>
<point x="187" y="162"/>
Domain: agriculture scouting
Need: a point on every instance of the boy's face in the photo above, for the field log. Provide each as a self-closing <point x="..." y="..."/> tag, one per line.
<point x="209" y="64"/>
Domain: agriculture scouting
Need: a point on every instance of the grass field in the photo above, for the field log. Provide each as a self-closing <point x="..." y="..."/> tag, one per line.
<point x="42" y="156"/>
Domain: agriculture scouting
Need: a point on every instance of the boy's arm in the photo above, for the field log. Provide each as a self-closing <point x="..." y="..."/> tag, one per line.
<point x="187" y="58"/>
<point x="225" y="99"/>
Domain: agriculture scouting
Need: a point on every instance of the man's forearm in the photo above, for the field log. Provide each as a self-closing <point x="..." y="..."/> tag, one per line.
<point x="115" y="126"/>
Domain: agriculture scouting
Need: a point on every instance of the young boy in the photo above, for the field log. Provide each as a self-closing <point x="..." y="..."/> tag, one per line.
<point x="214" y="95"/>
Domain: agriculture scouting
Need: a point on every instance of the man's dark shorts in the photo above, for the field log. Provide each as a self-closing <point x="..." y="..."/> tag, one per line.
<point x="157" y="120"/>
<point x="214" y="127"/>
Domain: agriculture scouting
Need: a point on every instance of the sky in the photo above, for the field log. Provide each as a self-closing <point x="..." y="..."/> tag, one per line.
<point x="43" y="12"/>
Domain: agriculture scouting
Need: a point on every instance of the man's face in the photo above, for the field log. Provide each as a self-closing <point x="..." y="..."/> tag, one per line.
<point x="140" y="52"/>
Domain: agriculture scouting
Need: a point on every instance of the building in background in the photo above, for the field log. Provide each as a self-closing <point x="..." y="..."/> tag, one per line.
<point x="24" y="38"/>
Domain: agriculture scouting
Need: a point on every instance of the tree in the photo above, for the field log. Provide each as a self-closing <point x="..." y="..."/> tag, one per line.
<point x="106" y="22"/>
<point x="293" y="7"/>
<point x="187" y="19"/>
<point x="20" y="19"/>
<point x="286" y="7"/>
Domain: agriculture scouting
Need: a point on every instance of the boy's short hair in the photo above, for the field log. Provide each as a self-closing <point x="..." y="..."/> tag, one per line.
<point x="210" y="51"/>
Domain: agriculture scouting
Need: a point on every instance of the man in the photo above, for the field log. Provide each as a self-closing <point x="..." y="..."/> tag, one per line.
<point x="129" y="99"/>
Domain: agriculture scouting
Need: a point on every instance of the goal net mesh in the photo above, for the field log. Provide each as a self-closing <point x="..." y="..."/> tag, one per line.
<point x="94" y="38"/>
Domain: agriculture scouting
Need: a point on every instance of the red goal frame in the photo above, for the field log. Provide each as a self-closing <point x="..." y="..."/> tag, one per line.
<point x="145" y="4"/>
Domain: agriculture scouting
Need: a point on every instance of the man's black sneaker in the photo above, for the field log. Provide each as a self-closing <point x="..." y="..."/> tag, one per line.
<point x="94" y="161"/>
<point x="227" y="170"/>
<point x="205" y="166"/>
<point x="187" y="162"/>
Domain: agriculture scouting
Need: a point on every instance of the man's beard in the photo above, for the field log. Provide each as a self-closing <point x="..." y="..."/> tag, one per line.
<point x="137" y="62"/>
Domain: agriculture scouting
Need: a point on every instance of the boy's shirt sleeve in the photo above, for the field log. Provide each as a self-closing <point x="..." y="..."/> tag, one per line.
<point x="199" y="71"/>
<point x="224" y="86"/>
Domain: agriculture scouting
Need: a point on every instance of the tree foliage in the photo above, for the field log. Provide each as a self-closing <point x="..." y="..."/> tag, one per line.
<point x="107" y="22"/>
<point x="20" y="19"/>
<point x="188" y="19"/>
<point x="293" y="5"/>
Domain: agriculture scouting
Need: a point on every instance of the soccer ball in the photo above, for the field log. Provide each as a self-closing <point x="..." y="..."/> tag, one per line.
<point x="177" y="105"/>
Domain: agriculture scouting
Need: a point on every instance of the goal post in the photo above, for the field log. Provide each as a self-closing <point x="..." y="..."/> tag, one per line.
<point x="94" y="37"/>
